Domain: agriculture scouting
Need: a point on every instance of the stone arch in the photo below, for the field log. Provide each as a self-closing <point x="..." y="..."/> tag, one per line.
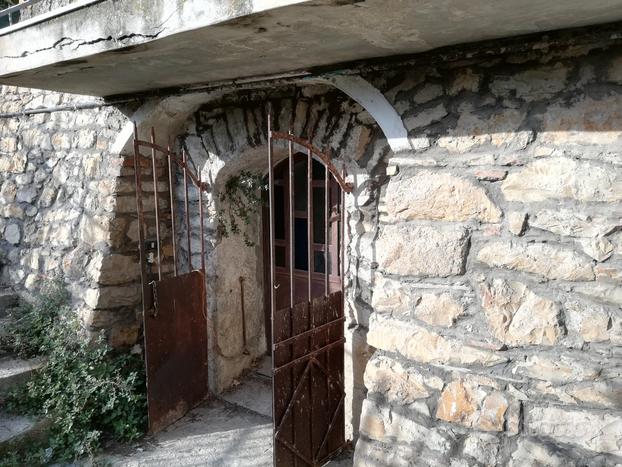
<point x="225" y="133"/>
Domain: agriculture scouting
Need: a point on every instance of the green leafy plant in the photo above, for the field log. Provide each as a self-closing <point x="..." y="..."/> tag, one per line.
<point x="87" y="391"/>
<point x="242" y="197"/>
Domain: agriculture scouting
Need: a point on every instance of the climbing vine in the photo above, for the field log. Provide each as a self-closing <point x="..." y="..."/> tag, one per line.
<point x="241" y="198"/>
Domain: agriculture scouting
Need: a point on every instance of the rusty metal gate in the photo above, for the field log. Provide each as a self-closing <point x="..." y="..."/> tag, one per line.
<point x="174" y="311"/>
<point x="306" y="251"/>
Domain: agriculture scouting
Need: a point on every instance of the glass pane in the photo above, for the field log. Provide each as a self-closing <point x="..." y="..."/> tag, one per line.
<point x="279" y="212"/>
<point x="318" y="215"/>
<point x="318" y="170"/>
<point x="300" y="186"/>
<point x="318" y="265"/>
<point x="279" y="256"/>
<point x="301" y="254"/>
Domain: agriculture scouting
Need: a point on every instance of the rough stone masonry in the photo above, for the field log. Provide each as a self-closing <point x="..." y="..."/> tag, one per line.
<point x="484" y="273"/>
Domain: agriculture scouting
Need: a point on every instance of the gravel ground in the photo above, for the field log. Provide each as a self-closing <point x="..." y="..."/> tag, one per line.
<point x="217" y="433"/>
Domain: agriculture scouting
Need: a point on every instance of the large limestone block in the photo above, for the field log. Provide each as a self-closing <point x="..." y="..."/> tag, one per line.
<point x="381" y="423"/>
<point x="598" y="431"/>
<point x="558" y="369"/>
<point x="398" y="383"/>
<point x="531" y="453"/>
<point x="500" y="130"/>
<point x="533" y="84"/>
<point x="593" y="322"/>
<point x="587" y="121"/>
<point x="549" y="261"/>
<point x="420" y="250"/>
<point x="562" y="178"/>
<point x="438" y="196"/>
<point x="472" y="406"/>
<point x="517" y="316"/>
<point x="573" y="223"/>
<point x="399" y="298"/>
<point x="421" y="345"/>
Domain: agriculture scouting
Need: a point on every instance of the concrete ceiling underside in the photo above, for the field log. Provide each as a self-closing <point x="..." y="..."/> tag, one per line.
<point x="118" y="47"/>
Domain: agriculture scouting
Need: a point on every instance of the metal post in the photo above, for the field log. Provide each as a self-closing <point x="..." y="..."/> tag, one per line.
<point x="290" y="186"/>
<point x="172" y="201"/>
<point x="326" y="219"/>
<point x="202" y="233"/>
<point x="309" y="222"/>
<point x="272" y="264"/>
<point x="140" y="214"/>
<point x="155" y="198"/>
<point x="185" y="162"/>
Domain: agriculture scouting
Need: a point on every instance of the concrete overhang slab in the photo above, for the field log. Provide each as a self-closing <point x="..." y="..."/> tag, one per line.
<point x="112" y="47"/>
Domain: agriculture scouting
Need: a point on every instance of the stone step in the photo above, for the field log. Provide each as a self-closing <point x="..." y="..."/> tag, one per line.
<point x="17" y="430"/>
<point x="16" y="371"/>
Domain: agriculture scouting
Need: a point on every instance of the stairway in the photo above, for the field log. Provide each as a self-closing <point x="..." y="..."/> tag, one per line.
<point x="15" y="429"/>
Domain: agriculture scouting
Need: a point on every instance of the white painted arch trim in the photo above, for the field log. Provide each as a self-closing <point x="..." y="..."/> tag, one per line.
<point x="374" y="102"/>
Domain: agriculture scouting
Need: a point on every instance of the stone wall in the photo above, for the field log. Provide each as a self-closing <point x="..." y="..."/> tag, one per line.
<point x="494" y="260"/>
<point x="65" y="210"/>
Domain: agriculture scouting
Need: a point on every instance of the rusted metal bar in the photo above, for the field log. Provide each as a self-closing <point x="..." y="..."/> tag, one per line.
<point x="290" y="186"/>
<point x="245" y="351"/>
<point x="330" y="427"/>
<point x="292" y="400"/>
<point x="201" y="226"/>
<point x="342" y="246"/>
<point x="272" y="261"/>
<point x="309" y="222"/>
<point x="172" y="201"/>
<point x="309" y="355"/>
<point x="141" y="218"/>
<point x="294" y="339"/>
<point x="182" y="163"/>
<point x="326" y="159"/>
<point x="156" y="203"/>
<point x="326" y="220"/>
<point x="186" y="204"/>
<point x="296" y="452"/>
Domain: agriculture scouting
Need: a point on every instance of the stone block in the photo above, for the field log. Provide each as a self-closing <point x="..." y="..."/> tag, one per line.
<point x="438" y="196"/>
<point x="15" y="163"/>
<point x="399" y="384"/>
<point x="558" y="369"/>
<point x="559" y="178"/>
<point x="531" y="453"/>
<point x="381" y="423"/>
<point x="598" y="431"/>
<point x="531" y="85"/>
<point x="517" y="221"/>
<point x="415" y="250"/>
<point x="113" y="297"/>
<point x="472" y="406"/>
<point x="573" y="223"/>
<point x="500" y="130"/>
<point x="546" y="260"/>
<point x="421" y="345"/>
<point x="483" y="447"/>
<point x="517" y="316"/>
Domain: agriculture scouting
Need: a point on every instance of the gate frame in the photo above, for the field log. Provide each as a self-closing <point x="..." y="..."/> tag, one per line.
<point x="149" y="288"/>
<point x="312" y="355"/>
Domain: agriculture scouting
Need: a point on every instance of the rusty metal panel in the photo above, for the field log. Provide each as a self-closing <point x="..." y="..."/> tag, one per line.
<point x="176" y="348"/>
<point x="308" y="392"/>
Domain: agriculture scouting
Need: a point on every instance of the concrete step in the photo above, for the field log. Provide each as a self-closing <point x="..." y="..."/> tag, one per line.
<point x="253" y="393"/>
<point x="16" y="430"/>
<point x="16" y="371"/>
